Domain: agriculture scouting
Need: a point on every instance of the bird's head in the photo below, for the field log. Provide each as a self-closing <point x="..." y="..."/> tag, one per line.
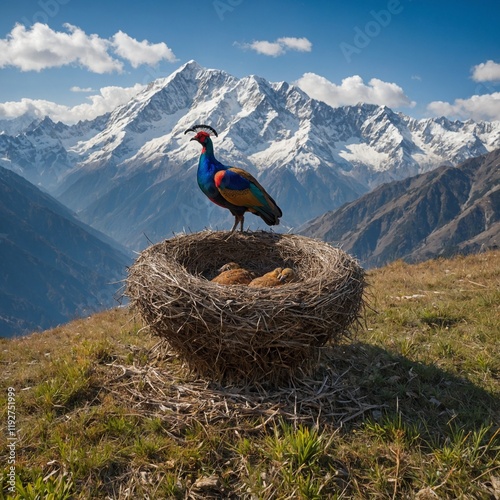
<point x="230" y="265"/>
<point x="202" y="137"/>
<point x="203" y="133"/>
<point x="276" y="272"/>
<point x="287" y="275"/>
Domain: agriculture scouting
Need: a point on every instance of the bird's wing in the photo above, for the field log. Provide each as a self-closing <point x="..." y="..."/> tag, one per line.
<point x="236" y="184"/>
<point x="270" y="206"/>
<point x="240" y="188"/>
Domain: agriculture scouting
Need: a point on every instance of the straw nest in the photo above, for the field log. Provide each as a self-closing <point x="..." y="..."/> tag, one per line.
<point x="238" y="333"/>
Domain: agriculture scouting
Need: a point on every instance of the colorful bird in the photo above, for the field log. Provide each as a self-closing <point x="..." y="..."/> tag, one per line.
<point x="233" y="274"/>
<point x="270" y="279"/>
<point x="230" y="187"/>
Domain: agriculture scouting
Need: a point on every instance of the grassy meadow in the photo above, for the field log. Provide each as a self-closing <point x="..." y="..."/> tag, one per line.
<point x="408" y="407"/>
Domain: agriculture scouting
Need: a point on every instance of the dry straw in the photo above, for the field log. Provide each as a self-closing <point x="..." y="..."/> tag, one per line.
<point x="241" y="334"/>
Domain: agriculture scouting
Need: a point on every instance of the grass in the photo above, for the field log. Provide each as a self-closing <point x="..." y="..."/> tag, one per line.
<point x="414" y="411"/>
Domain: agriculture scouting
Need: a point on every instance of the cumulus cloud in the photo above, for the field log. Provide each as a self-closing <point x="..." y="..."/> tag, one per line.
<point x="75" y="88"/>
<point x="106" y="100"/>
<point x="478" y="107"/>
<point x="280" y="46"/>
<point x="267" y="48"/>
<point x="353" y="90"/>
<point x="486" y="72"/>
<point x="138" y="53"/>
<point x="292" y="43"/>
<point x="40" y="47"/>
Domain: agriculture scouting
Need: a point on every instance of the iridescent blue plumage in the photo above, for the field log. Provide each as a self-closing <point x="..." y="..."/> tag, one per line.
<point x="230" y="187"/>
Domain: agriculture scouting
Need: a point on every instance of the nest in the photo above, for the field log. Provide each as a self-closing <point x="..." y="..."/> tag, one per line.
<point x="237" y="333"/>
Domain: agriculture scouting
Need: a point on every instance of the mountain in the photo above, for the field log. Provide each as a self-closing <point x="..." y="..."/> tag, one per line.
<point x="447" y="211"/>
<point x="131" y="174"/>
<point x="41" y="152"/>
<point x="17" y="125"/>
<point x="53" y="267"/>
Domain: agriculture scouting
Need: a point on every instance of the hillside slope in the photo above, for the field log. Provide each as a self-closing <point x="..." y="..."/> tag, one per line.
<point x="53" y="267"/>
<point x="443" y="212"/>
<point x="409" y="408"/>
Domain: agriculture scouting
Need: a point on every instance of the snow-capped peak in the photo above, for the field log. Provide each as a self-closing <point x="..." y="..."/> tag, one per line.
<point x="313" y="157"/>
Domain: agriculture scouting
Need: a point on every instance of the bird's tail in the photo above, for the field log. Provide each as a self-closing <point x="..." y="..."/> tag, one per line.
<point x="270" y="213"/>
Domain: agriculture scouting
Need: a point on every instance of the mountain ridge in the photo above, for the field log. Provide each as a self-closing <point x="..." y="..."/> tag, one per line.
<point x="449" y="210"/>
<point x="54" y="267"/>
<point x="311" y="157"/>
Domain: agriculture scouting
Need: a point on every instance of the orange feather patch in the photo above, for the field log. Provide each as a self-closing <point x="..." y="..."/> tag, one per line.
<point x="241" y="198"/>
<point x="238" y="197"/>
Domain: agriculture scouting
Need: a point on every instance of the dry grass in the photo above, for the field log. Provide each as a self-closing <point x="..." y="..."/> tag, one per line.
<point x="237" y="333"/>
<point x="408" y="409"/>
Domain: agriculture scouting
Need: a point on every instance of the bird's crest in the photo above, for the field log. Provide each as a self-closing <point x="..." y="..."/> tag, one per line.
<point x="207" y="128"/>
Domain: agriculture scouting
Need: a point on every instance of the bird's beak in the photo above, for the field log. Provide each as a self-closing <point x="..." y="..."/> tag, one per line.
<point x="193" y="139"/>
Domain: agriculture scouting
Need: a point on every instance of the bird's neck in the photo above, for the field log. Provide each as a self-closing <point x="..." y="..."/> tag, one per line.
<point x="208" y="163"/>
<point x="208" y="166"/>
<point x="208" y="149"/>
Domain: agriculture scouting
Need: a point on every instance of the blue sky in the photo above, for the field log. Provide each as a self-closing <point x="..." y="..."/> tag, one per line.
<point x="75" y="59"/>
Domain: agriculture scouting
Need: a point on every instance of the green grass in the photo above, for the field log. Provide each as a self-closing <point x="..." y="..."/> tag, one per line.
<point x="413" y="406"/>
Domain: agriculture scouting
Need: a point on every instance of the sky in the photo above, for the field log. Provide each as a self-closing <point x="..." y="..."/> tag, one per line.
<point x="77" y="59"/>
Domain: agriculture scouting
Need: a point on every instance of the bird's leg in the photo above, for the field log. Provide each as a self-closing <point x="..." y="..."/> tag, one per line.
<point x="236" y="220"/>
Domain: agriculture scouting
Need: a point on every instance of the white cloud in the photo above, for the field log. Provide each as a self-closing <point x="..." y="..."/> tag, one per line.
<point x="267" y="48"/>
<point x="40" y="47"/>
<point x="486" y="72"/>
<point x="107" y="100"/>
<point x="280" y="46"/>
<point x="300" y="44"/>
<point x="80" y="89"/>
<point x="353" y="90"/>
<point x="478" y="107"/>
<point x="138" y="53"/>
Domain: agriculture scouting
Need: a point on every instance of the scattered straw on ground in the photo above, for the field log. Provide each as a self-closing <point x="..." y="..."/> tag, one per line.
<point x="163" y="388"/>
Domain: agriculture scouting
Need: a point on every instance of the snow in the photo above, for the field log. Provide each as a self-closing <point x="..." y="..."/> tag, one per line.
<point x="357" y="152"/>
<point x="261" y="125"/>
